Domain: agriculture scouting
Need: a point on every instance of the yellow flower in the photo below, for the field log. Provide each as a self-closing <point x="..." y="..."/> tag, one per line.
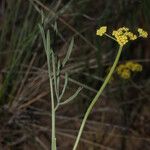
<point x="131" y="36"/>
<point x="126" y="74"/>
<point x="142" y="33"/>
<point x="129" y="65"/>
<point x="122" y="40"/>
<point x="123" y="35"/>
<point x="101" y="31"/>
<point x="123" y="71"/>
<point x="120" y="68"/>
<point x="120" y="37"/>
<point x="135" y="67"/>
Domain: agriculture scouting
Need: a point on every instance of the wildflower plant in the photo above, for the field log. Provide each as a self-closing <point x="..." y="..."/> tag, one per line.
<point x="54" y="74"/>
<point x="122" y="36"/>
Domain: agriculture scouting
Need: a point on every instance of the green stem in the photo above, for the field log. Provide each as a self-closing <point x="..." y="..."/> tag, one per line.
<point x="110" y="37"/>
<point x="53" y="136"/>
<point x="96" y="97"/>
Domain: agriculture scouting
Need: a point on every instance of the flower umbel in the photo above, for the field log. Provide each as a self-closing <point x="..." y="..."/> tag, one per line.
<point x="125" y="70"/>
<point x="123" y="35"/>
<point x="135" y="67"/>
<point x="101" y="31"/>
<point x="142" y="33"/>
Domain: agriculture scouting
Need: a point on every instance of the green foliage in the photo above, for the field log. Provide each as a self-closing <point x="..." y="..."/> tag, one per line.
<point x="16" y="45"/>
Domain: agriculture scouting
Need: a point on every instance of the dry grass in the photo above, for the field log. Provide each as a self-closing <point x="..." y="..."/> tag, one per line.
<point x="121" y="121"/>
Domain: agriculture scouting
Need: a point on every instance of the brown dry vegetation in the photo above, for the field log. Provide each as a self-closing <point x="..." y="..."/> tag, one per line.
<point x="121" y="121"/>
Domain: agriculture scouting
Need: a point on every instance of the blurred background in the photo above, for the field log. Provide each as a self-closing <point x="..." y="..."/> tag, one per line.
<point x="120" y="121"/>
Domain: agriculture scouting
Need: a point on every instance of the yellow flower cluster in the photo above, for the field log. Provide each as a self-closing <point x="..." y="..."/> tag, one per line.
<point x="101" y="31"/>
<point x="135" y="67"/>
<point x="142" y="33"/>
<point x="124" y="70"/>
<point x="126" y="74"/>
<point x="122" y="35"/>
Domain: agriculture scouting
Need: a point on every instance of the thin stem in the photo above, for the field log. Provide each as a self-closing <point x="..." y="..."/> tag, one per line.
<point x="53" y="146"/>
<point x="110" y="37"/>
<point x="53" y="138"/>
<point x="96" y="97"/>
